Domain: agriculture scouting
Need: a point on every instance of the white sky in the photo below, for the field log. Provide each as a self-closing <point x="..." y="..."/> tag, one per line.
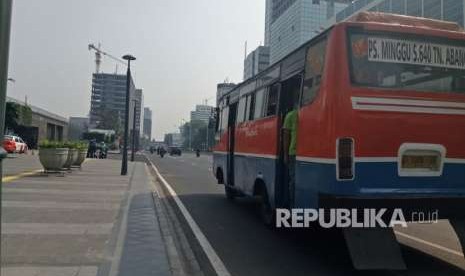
<point x="183" y="49"/>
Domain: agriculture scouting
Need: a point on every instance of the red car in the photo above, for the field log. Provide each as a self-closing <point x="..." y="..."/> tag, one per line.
<point x="14" y="144"/>
<point x="9" y="144"/>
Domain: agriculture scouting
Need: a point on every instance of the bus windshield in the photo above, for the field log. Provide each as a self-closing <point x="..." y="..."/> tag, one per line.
<point x="407" y="63"/>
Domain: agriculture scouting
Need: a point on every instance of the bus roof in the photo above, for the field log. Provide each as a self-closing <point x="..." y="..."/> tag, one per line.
<point x="396" y="19"/>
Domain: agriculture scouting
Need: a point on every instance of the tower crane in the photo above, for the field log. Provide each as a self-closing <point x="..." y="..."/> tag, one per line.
<point x="98" y="56"/>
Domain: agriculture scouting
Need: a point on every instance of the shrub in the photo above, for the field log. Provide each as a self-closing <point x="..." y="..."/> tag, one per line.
<point x="46" y="144"/>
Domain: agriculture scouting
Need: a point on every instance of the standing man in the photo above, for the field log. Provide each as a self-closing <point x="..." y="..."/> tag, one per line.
<point x="290" y="125"/>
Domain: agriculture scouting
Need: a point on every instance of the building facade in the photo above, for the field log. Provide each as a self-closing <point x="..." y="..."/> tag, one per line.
<point x="44" y="125"/>
<point x="139" y="101"/>
<point x="448" y="10"/>
<point x="222" y="89"/>
<point x="256" y="61"/>
<point x="109" y="94"/>
<point x="290" y="23"/>
<point x="202" y="113"/>
<point x="147" y="129"/>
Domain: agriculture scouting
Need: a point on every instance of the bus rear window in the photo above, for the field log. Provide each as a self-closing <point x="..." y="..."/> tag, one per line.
<point x="407" y="63"/>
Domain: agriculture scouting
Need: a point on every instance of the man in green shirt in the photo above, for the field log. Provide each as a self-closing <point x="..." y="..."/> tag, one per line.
<point x="290" y="125"/>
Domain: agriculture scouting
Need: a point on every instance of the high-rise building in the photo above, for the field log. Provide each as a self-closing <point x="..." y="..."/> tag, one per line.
<point x="222" y="89"/>
<point x="202" y="113"/>
<point x="449" y="10"/>
<point x="147" y="123"/>
<point x="256" y="61"/>
<point x="290" y="23"/>
<point x="109" y="97"/>
<point x="139" y="100"/>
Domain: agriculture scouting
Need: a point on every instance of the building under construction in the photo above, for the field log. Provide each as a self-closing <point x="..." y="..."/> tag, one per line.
<point x="109" y="97"/>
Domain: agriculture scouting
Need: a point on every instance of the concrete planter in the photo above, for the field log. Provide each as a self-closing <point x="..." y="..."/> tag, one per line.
<point x="82" y="154"/>
<point x="53" y="159"/>
<point x="72" y="157"/>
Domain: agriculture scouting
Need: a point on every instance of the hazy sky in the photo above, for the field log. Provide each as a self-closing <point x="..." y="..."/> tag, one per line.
<point x="183" y="49"/>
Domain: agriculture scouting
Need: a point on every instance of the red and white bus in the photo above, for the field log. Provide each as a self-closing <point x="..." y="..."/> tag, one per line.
<point x="381" y="119"/>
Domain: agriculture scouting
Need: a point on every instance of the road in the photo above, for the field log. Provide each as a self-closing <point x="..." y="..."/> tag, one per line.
<point x="246" y="247"/>
<point x="16" y="164"/>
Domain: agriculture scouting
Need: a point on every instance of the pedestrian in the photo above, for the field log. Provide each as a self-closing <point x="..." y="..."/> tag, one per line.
<point x="290" y="126"/>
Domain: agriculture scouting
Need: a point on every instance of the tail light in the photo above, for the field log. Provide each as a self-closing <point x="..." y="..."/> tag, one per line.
<point x="345" y="158"/>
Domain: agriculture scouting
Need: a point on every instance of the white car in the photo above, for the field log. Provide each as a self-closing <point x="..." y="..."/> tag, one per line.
<point x="21" y="146"/>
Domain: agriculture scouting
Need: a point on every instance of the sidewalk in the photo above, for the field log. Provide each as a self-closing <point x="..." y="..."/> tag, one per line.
<point x="87" y="223"/>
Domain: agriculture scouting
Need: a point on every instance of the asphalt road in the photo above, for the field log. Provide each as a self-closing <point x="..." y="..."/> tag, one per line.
<point x="15" y="164"/>
<point x="246" y="247"/>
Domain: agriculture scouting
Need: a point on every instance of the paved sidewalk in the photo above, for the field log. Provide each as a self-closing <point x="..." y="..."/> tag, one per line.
<point x="87" y="223"/>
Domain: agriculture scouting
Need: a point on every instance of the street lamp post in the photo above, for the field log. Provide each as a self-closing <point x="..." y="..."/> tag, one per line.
<point x="133" y="146"/>
<point x="5" y="19"/>
<point x="124" y="165"/>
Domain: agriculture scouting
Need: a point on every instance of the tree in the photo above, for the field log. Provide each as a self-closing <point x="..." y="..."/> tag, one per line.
<point x="12" y="113"/>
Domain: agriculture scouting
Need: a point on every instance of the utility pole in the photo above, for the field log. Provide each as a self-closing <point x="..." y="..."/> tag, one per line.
<point x="133" y="147"/>
<point x="124" y="165"/>
<point x="5" y="20"/>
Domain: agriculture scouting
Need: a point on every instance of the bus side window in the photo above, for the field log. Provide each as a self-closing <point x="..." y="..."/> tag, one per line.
<point x="252" y="107"/>
<point x="224" y="119"/>
<point x="241" y="110"/>
<point x="218" y="115"/>
<point x="259" y="102"/>
<point x="272" y="101"/>
<point x="314" y="67"/>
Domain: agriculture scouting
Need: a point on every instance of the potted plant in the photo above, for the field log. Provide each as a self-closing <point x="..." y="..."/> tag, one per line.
<point x="72" y="154"/>
<point x="82" y="153"/>
<point x="52" y="155"/>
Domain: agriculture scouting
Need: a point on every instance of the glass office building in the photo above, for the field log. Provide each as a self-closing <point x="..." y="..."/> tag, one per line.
<point x="449" y="10"/>
<point x="290" y="23"/>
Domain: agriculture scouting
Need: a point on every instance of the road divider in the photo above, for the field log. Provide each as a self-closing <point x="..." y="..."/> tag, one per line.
<point x="215" y="261"/>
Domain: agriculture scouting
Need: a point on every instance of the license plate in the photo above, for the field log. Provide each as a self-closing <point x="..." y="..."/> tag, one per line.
<point x="427" y="162"/>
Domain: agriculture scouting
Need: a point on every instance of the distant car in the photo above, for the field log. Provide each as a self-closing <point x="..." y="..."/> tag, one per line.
<point x="12" y="144"/>
<point x="174" y="151"/>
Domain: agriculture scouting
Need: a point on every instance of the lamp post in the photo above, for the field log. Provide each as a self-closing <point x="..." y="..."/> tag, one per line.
<point x="133" y="146"/>
<point x="5" y="19"/>
<point x="124" y="165"/>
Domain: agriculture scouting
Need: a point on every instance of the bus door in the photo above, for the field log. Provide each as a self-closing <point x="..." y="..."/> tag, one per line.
<point x="231" y="142"/>
<point x="288" y="98"/>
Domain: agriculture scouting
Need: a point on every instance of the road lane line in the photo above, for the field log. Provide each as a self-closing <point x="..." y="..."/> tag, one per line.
<point x="437" y="246"/>
<point x="18" y="176"/>
<point x="214" y="259"/>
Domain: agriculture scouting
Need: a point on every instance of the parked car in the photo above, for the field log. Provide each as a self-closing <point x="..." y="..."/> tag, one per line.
<point x="12" y="144"/>
<point x="174" y="151"/>
<point x="9" y="144"/>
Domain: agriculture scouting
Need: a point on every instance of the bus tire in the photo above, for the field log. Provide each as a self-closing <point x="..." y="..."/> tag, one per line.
<point x="267" y="214"/>
<point x="230" y="192"/>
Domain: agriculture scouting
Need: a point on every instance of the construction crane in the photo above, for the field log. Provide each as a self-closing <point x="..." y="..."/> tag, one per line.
<point x="98" y="56"/>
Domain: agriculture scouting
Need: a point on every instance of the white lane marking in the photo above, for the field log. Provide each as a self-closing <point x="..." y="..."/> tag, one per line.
<point x="214" y="259"/>
<point x="434" y="245"/>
